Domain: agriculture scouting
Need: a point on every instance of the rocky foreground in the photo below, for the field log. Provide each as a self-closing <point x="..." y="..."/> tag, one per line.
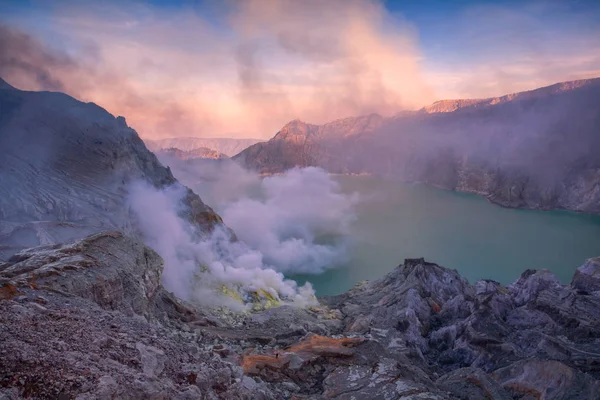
<point x="91" y="320"/>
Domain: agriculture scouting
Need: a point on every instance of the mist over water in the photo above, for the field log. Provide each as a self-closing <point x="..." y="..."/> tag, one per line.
<point x="294" y="223"/>
<point x="461" y="231"/>
<point x="334" y="231"/>
<point x="298" y="221"/>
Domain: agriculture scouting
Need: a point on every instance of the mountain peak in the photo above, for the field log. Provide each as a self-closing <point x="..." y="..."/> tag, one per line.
<point x="4" y="85"/>
<point x="295" y="122"/>
<point x="444" y="106"/>
<point x="294" y="129"/>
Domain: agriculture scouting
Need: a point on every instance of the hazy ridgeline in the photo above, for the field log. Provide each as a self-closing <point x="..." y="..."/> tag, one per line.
<point x="533" y="149"/>
<point x="226" y="146"/>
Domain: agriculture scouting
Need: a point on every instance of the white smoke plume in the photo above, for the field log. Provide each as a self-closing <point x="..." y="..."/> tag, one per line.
<point x="294" y="223"/>
<point x="299" y="222"/>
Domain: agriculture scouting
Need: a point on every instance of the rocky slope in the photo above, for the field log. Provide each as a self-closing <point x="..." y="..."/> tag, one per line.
<point x="90" y="320"/>
<point x="65" y="170"/>
<point x="534" y="149"/>
<point x="227" y="146"/>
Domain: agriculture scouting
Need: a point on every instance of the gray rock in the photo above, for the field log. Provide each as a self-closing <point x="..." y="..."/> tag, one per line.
<point x="190" y="393"/>
<point x="587" y="277"/>
<point x="430" y="317"/>
<point x="420" y="332"/>
<point x="78" y="349"/>
<point x="531" y="283"/>
<point x="115" y="271"/>
<point x="547" y="379"/>
<point x="471" y="383"/>
<point x="152" y="359"/>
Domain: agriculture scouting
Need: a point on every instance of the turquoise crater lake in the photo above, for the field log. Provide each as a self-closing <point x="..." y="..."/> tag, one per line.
<point x="460" y="231"/>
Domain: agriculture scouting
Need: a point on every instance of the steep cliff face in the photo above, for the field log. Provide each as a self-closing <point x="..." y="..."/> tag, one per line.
<point x="65" y="170"/>
<point x="534" y="149"/>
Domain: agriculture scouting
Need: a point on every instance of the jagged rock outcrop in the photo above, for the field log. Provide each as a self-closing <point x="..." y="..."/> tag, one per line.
<point x="90" y="320"/>
<point x="535" y="149"/>
<point x="535" y="337"/>
<point x="66" y="168"/>
<point x="114" y="271"/>
<point x="227" y="146"/>
<point x="587" y="277"/>
<point x="424" y="331"/>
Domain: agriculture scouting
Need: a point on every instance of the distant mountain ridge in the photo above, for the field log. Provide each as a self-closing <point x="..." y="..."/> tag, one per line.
<point x="226" y="146"/>
<point x="534" y="149"/>
<point x="454" y="105"/>
<point x="201" y="152"/>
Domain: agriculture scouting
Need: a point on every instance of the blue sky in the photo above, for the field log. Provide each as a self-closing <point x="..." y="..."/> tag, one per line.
<point x="440" y="23"/>
<point x="246" y="67"/>
<point x="436" y="20"/>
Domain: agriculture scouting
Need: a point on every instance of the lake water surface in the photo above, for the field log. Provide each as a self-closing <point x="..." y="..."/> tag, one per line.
<point x="461" y="231"/>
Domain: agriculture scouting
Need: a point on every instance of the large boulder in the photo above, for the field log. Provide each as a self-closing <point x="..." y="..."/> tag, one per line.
<point x="587" y="277"/>
<point x="113" y="270"/>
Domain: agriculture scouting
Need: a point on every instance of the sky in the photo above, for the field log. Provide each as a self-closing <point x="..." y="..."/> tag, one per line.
<point x="244" y="68"/>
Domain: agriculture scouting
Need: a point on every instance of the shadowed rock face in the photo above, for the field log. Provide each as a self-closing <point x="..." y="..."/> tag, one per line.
<point x="65" y="171"/>
<point x="76" y="321"/>
<point x="534" y="149"/>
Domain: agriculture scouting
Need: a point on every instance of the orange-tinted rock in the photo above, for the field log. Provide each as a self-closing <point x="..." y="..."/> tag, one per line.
<point x="310" y="348"/>
<point x="326" y="346"/>
<point x="8" y="291"/>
